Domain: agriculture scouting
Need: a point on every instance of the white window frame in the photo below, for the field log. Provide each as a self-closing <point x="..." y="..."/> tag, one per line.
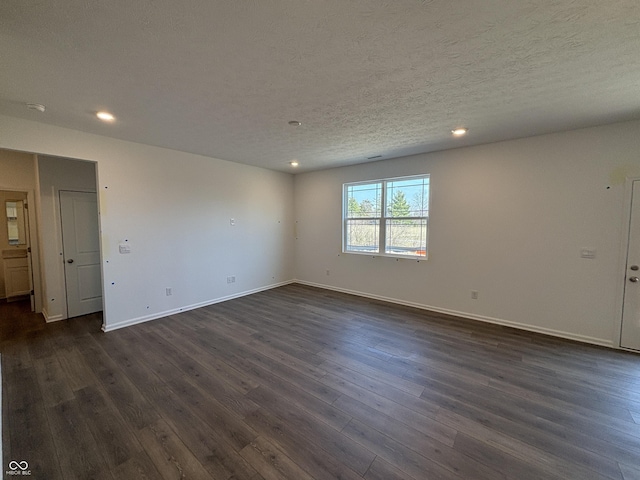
<point x="383" y="218"/>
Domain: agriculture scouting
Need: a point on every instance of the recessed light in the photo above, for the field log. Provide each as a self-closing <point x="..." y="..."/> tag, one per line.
<point x="294" y="163"/>
<point x="36" y="106"/>
<point x="295" y="123"/>
<point x="106" y="116"/>
<point x="458" y="132"/>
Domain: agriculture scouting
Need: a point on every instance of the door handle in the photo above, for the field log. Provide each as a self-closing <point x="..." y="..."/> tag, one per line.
<point x="634" y="279"/>
<point x="71" y="261"/>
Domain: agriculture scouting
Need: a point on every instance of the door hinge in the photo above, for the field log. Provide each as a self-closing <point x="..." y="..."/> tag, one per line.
<point x="28" y="249"/>
<point x="32" y="292"/>
<point x="26" y="205"/>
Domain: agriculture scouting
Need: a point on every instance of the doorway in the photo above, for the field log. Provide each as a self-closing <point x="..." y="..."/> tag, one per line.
<point x="16" y="269"/>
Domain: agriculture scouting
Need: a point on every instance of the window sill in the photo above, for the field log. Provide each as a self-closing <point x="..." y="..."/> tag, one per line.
<point x="389" y="255"/>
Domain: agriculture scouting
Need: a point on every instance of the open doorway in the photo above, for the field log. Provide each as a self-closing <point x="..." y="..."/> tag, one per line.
<point x="72" y="274"/>
<point x="43" y="178"/>
<point x="19" y="239"/>
<point x="16" y="271"/>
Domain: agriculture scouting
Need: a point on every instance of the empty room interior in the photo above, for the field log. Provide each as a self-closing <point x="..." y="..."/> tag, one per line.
<point x="320" y="240"/>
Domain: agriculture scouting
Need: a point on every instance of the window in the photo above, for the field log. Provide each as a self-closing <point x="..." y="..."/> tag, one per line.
<point x="387" y="217"/>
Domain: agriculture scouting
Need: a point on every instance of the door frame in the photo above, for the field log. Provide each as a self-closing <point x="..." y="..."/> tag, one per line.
<point x="622" y="263"/>
<point x="34" y="242"/>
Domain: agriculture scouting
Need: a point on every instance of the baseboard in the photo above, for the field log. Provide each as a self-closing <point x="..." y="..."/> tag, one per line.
<point x="51" y="318"/>
<point x="471" y="316"/>
<point x="166" y="313"/>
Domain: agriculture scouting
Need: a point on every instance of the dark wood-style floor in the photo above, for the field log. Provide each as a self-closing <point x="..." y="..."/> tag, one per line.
<point x="301" y="383"/>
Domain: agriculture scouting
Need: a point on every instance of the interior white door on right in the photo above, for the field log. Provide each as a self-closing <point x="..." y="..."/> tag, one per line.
<point x="81" y="250"/>
<point x="630" y="334"/>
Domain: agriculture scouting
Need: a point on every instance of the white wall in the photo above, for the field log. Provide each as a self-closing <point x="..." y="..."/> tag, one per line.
<point x="55" y="174"/>
<point x="507" y="219"/>
<point x="173" y="209"/>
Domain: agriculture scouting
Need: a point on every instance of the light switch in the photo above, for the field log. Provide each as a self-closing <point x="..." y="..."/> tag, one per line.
<point x="123" y="248"/>
<point x="232" y="222"/>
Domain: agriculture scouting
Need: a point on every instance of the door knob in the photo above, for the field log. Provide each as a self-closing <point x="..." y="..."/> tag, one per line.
<point x="71" y="261"/>
<point x="634" y="267"/>
<point x="634" y="279"/>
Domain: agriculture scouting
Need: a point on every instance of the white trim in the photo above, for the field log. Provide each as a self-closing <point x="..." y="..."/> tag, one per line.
<point x="470" y="316"/>
<point x="51" y="318"/>
<point x="54" y="318"/>
<point x="166" y="313"/>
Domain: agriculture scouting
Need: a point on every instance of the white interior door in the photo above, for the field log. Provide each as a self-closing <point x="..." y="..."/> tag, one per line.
<point x="630" y="334"/>
<point x="81" y="249"/>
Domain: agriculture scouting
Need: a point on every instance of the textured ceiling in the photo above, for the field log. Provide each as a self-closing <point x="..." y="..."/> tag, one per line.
<point x="365" y="77"/>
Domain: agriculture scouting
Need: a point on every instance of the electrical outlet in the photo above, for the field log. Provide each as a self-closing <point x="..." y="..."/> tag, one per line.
<point x="474" y="294"/>
<point x="231" y="279"/>
<point x="328" y="273"/>
<point x="168" y="291"/>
